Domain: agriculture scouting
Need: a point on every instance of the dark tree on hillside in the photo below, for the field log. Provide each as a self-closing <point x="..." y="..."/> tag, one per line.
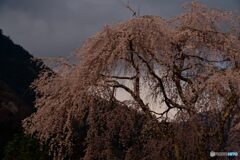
<point x="18" y="69"/>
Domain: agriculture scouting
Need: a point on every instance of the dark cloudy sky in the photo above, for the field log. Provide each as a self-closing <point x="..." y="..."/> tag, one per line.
<point x="57" y="27"/>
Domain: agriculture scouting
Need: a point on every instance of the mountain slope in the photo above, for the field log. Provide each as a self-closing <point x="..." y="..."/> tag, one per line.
<point x="18" y="69"/>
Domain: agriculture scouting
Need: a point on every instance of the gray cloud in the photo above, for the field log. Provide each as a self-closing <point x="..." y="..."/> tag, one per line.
<point x="57" y="27"/>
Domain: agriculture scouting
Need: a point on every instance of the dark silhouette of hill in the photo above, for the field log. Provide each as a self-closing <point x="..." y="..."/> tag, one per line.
<point x="18" y="69"/>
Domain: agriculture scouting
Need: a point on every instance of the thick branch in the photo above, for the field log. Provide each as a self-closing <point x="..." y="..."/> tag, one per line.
<point x="138" y="99"/>
<point x="207" y="60"/>
<point x="177" y="76"/>
<point x="119" y="77"/>
<point x="170" y="103"/>
<point x="136" y="67"/>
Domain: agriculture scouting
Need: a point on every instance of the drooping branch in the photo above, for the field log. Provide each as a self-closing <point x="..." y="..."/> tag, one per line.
<point x="163" y="113"/>
<point x="137" y="98"/>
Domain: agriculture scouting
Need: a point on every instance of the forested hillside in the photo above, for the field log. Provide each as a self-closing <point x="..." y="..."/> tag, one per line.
<point x="18" y="69"/>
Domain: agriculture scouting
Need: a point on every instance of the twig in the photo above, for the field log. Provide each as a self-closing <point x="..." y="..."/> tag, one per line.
<point x="134" y="13"/>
